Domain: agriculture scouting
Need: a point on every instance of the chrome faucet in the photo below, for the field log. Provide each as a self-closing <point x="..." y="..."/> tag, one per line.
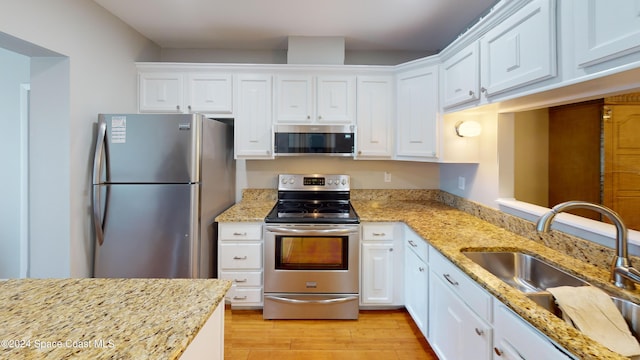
<point x="623" y="275"/>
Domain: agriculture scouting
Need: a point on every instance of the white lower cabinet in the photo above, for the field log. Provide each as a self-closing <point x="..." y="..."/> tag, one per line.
<point x="459" y="312"/>
<point x="455" y="331"/>
<point x="416" y="272"/>
<point x="240" y="261"/>
<point x="381" y="283"/>
<point x="209" y="342"/>
<point x="515" y="339"/>
<point x="466" y="322"/>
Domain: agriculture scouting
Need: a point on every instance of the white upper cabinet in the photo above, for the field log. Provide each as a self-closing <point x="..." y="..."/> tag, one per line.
<point x="294" y="102"/>
<point x="520" y="50"/>
<point x="461" y="75"/>
<point x="160" y="92"/>
<point x="417" y="109"/>
<point x="304" y="99"/>
<point x="253" y="128"/>
<point x="180" y="92"/>
<point x="210" y="93"/>
<point x="605" y="30"/>
<point x="374" y="116"/>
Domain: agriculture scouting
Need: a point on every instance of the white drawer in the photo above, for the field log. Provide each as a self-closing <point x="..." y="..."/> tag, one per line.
<point x="239" y="296"/>
<point x="471" y="293"/>
<point x="377" y="232"/>
<point x="417" y="244"/>
<point x="239" y="231"/>
<point x="241" y="256"/>
<point x="243" y="278"/>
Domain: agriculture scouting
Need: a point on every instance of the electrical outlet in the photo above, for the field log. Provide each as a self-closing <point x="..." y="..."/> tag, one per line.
<point x="387" y="176"/>
<point x="461" y="182"/>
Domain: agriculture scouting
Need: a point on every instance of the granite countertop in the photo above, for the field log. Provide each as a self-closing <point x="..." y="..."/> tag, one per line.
<point x="104" y="318"/>
<point x="451" y="230"/>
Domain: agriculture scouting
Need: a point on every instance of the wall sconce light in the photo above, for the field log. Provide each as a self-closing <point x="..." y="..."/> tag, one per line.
<point x="468" y="128"/>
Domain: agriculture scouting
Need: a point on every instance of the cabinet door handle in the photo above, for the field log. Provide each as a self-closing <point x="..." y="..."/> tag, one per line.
<point x="412" y="243"/>
<point x="471" y="92"/>
<point x="189" y="107"/>
<point x="483" y="89"/>
<point x="497" y="351"/>
<point x="390" y="249"/>
<point x="240" y="257"/>
<point x="450" y="280"/>
<point x="480" y="332"/>
<point x="239" y="234"/>
<point x="421" y="269"/>
<point x="178" y="107"/>
<point x="240" y="280"/>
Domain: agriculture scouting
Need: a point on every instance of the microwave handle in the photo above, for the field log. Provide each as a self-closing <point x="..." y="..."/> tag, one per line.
<point x="289" y="231"/>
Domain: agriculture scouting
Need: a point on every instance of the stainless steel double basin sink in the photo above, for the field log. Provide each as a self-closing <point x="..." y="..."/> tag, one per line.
<point x="532" y="276"/>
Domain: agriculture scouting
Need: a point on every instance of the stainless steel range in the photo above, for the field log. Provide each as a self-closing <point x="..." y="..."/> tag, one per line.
<point x="312" y="250"/>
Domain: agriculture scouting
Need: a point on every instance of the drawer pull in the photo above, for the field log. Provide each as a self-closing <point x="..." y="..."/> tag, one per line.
<point x="497" y="351"/>
<point x="239" y="234"/>
<point x="240" y="297"/>
<point x="450" y="280"/>
<point x="240" y="257"/>
<point x="480" y="332"/>
<point x="240" y="280"/>
<point x="412" y="243"/>
<point x="379" y="234"/>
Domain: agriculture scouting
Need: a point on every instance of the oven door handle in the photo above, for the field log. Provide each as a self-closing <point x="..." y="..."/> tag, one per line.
<point x="324" y="301"/>
<point x="288" y="231"/>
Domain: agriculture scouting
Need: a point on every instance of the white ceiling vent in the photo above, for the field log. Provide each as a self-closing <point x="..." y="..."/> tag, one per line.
<point x="326" y="50"/>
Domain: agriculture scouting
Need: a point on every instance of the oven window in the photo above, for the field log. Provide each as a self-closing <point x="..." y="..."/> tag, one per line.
<point x="312" y="253"/>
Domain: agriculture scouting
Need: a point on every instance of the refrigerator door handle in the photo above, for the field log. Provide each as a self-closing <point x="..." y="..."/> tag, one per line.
<point x="97" y="168"/>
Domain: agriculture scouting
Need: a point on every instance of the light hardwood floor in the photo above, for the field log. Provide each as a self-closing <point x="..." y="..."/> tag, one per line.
<point x="389" y="335"/>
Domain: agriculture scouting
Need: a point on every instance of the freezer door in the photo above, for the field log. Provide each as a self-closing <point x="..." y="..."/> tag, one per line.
<point x="150" y="231"/>
<point x="150" y="148"/>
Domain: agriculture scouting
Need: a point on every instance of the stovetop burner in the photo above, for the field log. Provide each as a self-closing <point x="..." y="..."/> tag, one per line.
<point x="312" y="208"/>
<point x="313" y="199"/>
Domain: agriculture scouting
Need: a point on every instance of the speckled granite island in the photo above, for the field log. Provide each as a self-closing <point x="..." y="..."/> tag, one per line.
<point x="105" y="318"/>
<point x="451" y="224"/>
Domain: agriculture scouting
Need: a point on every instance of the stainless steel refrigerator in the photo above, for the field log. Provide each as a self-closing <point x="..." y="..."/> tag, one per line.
<point x="158" y="183"/>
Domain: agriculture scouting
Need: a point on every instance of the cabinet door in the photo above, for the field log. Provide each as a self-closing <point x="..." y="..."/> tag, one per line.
<point x="417" y="290"/>
<point x="377" y="273"/>
<point x="516" y="340"/>
<point x="253" y="129"/>
<point x="160" y="92"/>
<point x="374" y="117"/>
<point x="521" y="50"/>
<point x="455" y="332"/>
<point x="210" y="93"/>
<point x="294" y="96"/>
<point x="336" y="100"/>
<point x="604" y="31"/>
<point x="418" y="113"/>
<point x="462" y="76"/>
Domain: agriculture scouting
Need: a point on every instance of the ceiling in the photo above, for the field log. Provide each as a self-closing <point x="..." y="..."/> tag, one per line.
<point x="366" y="25"/>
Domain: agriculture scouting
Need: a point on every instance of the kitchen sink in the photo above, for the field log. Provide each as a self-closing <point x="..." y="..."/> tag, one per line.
<point x="522" y="271"/>
<point x="533" y="276"/>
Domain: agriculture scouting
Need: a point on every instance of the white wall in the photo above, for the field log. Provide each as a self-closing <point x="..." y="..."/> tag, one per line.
<point x="280" y="56"/>
<point x="481" y="179"/>
<point x="100" y="52"/>
<point x="365" y="174"/>
<point x="13" y="72"/>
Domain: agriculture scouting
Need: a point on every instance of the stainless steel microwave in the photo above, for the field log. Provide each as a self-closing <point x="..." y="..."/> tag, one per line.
<point x="323" y="140"/>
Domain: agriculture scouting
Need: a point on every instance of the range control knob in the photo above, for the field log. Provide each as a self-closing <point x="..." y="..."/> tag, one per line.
<point x="344" y="181"/>
<point x="330" y="181"/>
